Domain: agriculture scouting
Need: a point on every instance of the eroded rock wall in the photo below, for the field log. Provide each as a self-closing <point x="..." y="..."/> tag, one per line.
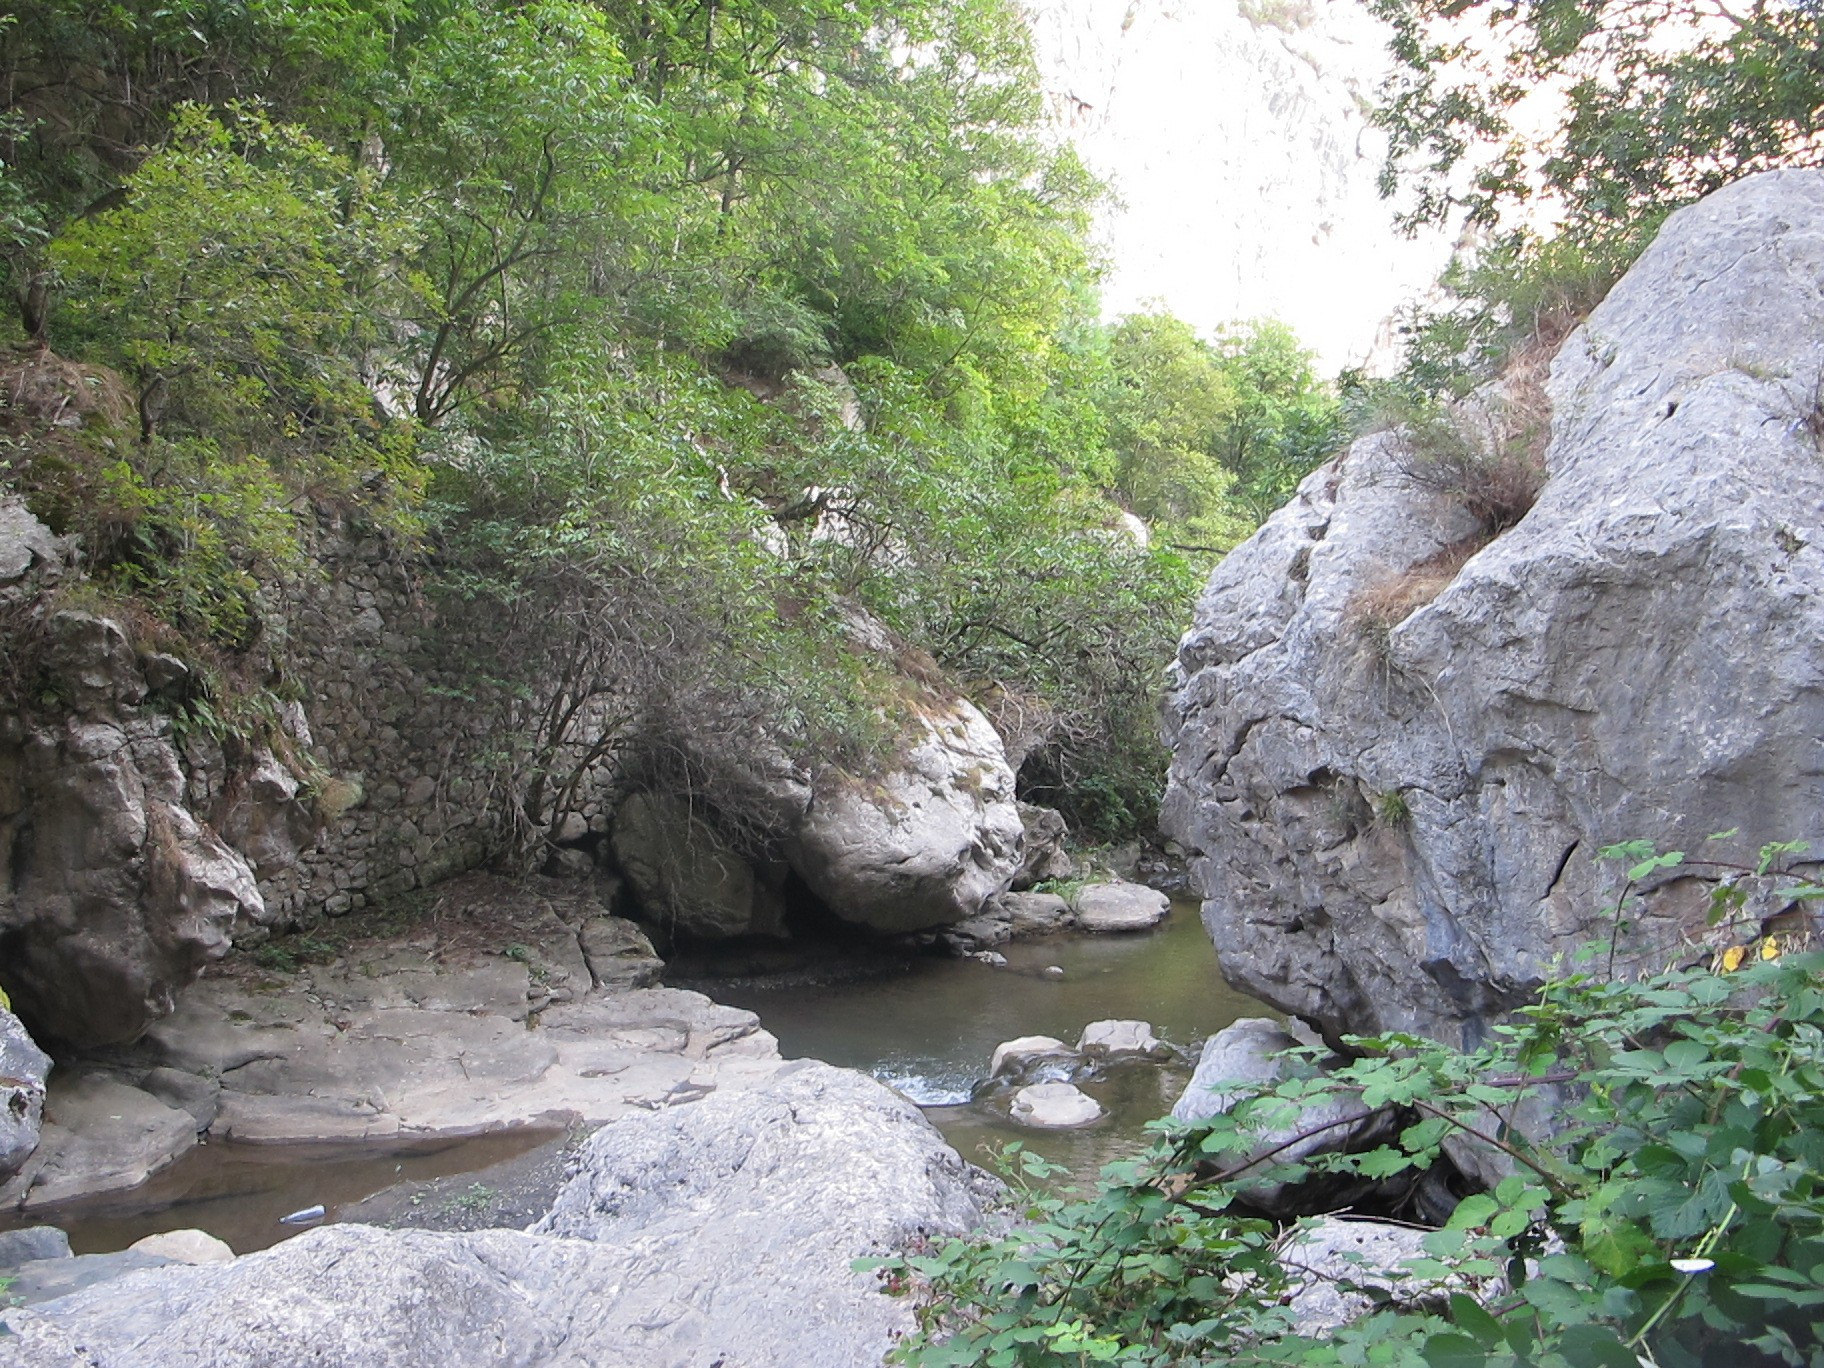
<point x="1396" y="827"/>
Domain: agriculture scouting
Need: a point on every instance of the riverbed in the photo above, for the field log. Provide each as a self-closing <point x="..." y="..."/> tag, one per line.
<point x="924" y="1025"/>
<point x="929" y="1027"/>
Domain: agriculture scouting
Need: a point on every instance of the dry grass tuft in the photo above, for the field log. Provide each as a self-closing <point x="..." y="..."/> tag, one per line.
<point x="1388" y="600"/>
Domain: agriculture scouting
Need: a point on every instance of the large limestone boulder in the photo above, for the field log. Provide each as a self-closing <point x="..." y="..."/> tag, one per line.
<point x="1395" y="823"/>
<point x="717" y="1231"/>
<point x="923" y="843"/>
<point x="112" y="895"/>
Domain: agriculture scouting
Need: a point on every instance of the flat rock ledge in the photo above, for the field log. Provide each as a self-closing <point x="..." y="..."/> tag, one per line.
<point x="423" y="1038"/>
<point x="720" y="1232"/>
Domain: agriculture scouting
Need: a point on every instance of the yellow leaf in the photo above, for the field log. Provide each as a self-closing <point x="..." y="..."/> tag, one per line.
<point x="1733" y="957"/>
<point x="1770" y="948"/>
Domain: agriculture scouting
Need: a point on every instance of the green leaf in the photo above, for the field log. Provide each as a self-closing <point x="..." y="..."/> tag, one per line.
<point x="1469" y="1314"/>
<point x="1454" y="1351"/>
<point x="1595" y="1346"/>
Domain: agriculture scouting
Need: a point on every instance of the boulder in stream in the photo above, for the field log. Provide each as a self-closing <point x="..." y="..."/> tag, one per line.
<point x="1120" y="906"/>
<point x="1013" y="1056"/>
<point x="1118" y="1037"/>
<point x="1054" y="1106"/>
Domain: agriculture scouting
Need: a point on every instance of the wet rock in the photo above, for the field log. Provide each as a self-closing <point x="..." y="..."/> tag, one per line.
<point x="1394" y="814"/>
<point x="1013" y="1056"/>
<point x="721" y="1231"/>
<point x="23" y="1067"/>
<point x="1054" y="1106"/>
<point x="1035" y="914"/>
<point x="992" y="927"/>
<point x="1043" y="855"/>
<point x="687" y="876"/>
<point x="32" y="1243"/>
<point x="1118" y="1037"/>
<point x="1120" y="906"/>
<point x="100" y="1135"/>
<point x="185" y="1246"/>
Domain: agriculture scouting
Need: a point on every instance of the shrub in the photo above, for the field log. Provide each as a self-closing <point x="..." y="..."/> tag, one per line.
<point x="1673" y="1217"/>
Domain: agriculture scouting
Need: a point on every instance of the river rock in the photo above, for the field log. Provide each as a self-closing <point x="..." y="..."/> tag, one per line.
<point x="32" y="1243"/>
<point x="1330" y="1251"/>
<point x="23" y="1067"/>
<point x="1252" y="1051"/>
<point x="718" y="1232"/>
<point x="185" y="1246"/>
<point x="49" y="1279"/>
<point x="924" y="843"/>
<point x="1035" y="914"/>
<point x="1054" y="1106"/>
<point x="689" y="879"/>
<point x="1396" y="826"/>
<point x="1120" y="906"/>
<point x="112" y="895"/>
<point x="1012" y="1056"/>
<point x="1118" y="1037"/>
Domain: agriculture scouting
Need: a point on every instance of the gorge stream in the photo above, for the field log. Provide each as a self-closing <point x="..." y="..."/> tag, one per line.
<point x="926" y="1026"/>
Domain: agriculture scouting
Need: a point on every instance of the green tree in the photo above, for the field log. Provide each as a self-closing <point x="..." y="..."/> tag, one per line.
<point x="1658" y="104"/>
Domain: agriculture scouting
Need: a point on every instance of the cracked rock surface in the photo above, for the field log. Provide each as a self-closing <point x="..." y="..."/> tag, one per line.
<point x="1398" y="830"/>
<point x="718" y="1232"/>
<point x="544" y="1013"/>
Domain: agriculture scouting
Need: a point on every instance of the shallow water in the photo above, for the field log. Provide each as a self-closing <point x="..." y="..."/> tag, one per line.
<point x="926" y="1026"/>
<point x="930" y="1028"/>
<point x="238" y="1192"/>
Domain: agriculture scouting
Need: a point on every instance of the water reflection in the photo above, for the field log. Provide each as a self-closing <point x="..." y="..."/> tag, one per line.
<point x="929" y="1028"/>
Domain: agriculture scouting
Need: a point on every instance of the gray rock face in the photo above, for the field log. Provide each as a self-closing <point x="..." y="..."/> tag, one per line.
<point x="923" y="844"/>
<point x="100" y="1135"/>
<point x="1397" y="828"/>
<point x="112" y="895"/>
<point x="687" y="877"/>
<point x="26" y="545"/>
<point x="23" y="1067"/>
<point x="721" y="1231"/>
<point x="1044" y="855"/>
<point x="1035" y="914"/>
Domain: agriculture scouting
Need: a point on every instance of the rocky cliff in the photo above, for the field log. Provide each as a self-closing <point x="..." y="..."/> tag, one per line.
<point x="1234" y="136"/>
<point x="1395" y="817"/>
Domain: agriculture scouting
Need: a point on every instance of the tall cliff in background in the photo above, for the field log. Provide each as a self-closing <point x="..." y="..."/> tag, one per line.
<point x="1236" y="139"/>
